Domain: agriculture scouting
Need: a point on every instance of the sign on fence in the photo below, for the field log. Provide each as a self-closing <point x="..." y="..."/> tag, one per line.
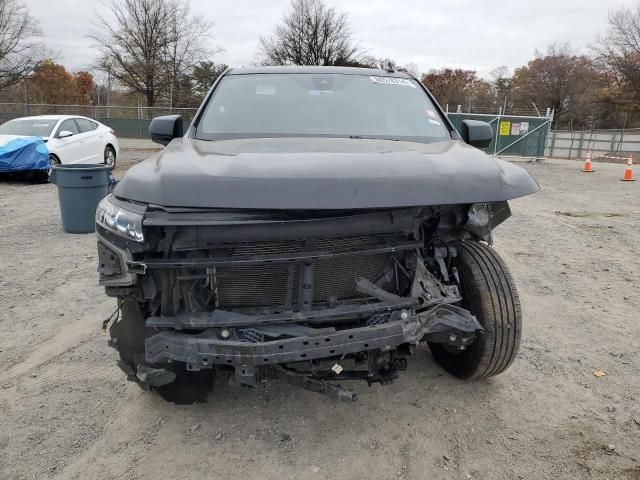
<point x="525" y="136"/>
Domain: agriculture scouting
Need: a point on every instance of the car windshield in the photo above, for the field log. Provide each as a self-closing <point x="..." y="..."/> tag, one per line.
<point x="28" y="127"/>
<point x="332" y="105"/>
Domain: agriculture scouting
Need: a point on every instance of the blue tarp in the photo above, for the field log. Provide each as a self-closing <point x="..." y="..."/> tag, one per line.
<point x="26" y="153"/>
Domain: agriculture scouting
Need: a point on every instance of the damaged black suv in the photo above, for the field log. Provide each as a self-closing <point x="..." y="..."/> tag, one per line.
<point x="312" y="225"/>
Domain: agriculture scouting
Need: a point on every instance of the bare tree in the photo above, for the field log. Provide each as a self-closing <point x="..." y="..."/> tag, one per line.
<point x="501" y="85"/>
<point x="147" y="45"/>
<point x="411" y="68"/>
<point x="20" y="51"/>
<point x="558" y="79"/>
<point x="187" y="47"/>
<point x="310" y="34"/>
<point x="618" y="56"/>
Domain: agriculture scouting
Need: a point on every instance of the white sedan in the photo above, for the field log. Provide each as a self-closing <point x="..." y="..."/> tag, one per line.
<point x="69" y="138"/>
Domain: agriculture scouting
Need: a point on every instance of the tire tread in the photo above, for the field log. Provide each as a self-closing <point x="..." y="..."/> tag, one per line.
<point x="493" y="287"/>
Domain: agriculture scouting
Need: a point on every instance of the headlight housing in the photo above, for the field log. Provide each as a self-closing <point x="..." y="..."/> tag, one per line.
<point x="119" y="220"/>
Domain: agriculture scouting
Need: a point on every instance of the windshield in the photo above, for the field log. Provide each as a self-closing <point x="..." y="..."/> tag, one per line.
<point x="28" y="127"/>
<point x="334" y="105"/>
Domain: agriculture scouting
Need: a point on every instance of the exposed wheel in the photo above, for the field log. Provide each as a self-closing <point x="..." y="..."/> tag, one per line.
<point x="488" y="291"/>
<point x="110" y="156"/>
<point x="127" y="336"/>
<point x="53" y="160"/>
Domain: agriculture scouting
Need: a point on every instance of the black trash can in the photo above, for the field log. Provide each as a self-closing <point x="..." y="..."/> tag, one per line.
<point x="80" y="189"/>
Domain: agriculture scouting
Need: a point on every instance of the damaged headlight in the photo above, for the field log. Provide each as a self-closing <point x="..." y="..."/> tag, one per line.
<point x="120" y="220"/>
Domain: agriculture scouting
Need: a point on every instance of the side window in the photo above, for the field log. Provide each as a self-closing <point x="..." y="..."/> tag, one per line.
<point x="86" y="125"/>
<point x="68" y="125"/>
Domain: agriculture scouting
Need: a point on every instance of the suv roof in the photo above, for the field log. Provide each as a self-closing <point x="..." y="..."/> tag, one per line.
<point x="318" y="70"/>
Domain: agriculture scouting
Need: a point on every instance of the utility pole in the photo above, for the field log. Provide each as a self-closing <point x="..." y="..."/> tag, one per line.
<point x="109" y="93"/>
<point x="26" y="98"/>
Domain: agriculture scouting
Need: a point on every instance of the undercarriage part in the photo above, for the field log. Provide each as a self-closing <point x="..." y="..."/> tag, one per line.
<point x="382" y="367"/>
<point x="453" y="326"/>
<point x="309" y="383"/>
<point x="441" y="255"/>
<point x="489" y="292"/>
<point x="483" y="218"/>
<point x="111" y="318"/>
<point x="479" y="221"/>
<point x="428" y="290"/>
<point x="369" y="288"/>
<point x="154" y="377"/>
<point x="188" y="387"/>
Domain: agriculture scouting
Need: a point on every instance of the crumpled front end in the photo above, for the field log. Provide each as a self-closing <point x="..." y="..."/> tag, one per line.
<point x="309" y="299"/>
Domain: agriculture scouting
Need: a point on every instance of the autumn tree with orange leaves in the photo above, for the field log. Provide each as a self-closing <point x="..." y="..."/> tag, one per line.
<point x="51" y="83"/>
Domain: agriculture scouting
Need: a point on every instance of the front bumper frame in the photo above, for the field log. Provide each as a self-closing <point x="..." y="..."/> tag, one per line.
<point x="441" y="324"/>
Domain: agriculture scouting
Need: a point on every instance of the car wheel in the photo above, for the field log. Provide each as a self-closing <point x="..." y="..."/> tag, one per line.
<point x="110" y="157"/>
<point x="53" y="160"/>
<point x="489" y="293"/>
<point x="128" y="334"/>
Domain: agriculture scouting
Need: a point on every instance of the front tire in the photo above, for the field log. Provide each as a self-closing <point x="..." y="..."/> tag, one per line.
<point x="53" y="160"/>
<point x="128" y="334"/>
<point x="110" y="157"/>
<point x="488" y="292"/>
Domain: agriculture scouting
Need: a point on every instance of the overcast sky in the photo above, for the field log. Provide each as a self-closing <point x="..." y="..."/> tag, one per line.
<point x="430" y="33"/>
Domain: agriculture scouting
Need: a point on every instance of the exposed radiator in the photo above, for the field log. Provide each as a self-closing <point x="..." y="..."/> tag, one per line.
<point x="278" y="285"/>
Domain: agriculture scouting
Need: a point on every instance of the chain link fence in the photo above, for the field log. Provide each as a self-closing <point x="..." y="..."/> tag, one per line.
<point x="128" y="122"/>
<point x="513" y="135"/>
<point x="601" y="143"/>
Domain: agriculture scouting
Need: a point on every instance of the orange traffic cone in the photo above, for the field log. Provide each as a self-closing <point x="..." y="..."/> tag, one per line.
<point x="587" y="163"/>
<point x="628" y="172"/>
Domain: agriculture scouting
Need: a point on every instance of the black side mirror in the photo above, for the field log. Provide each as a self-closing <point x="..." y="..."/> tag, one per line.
<point x="166" y="128"/>
<point x="475" y="133"/>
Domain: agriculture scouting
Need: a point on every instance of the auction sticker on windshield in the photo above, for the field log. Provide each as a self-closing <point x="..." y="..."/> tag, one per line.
<point x="265" y="89"/>
<point x="392" y="81"/>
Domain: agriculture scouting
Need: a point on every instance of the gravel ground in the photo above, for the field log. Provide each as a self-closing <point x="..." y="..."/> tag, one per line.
<point x="574" y="250"/>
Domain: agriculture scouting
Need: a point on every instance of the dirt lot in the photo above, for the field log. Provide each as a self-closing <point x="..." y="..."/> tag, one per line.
<point x="574" y="249"/>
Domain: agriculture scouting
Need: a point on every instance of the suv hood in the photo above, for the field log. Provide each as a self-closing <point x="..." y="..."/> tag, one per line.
<point x="321" y="173"/>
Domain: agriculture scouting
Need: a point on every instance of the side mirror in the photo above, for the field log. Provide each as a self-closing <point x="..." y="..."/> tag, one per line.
<point x="65" y="134"/>
<point x="475" y="133"/>
<point x="164" y="129"/>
